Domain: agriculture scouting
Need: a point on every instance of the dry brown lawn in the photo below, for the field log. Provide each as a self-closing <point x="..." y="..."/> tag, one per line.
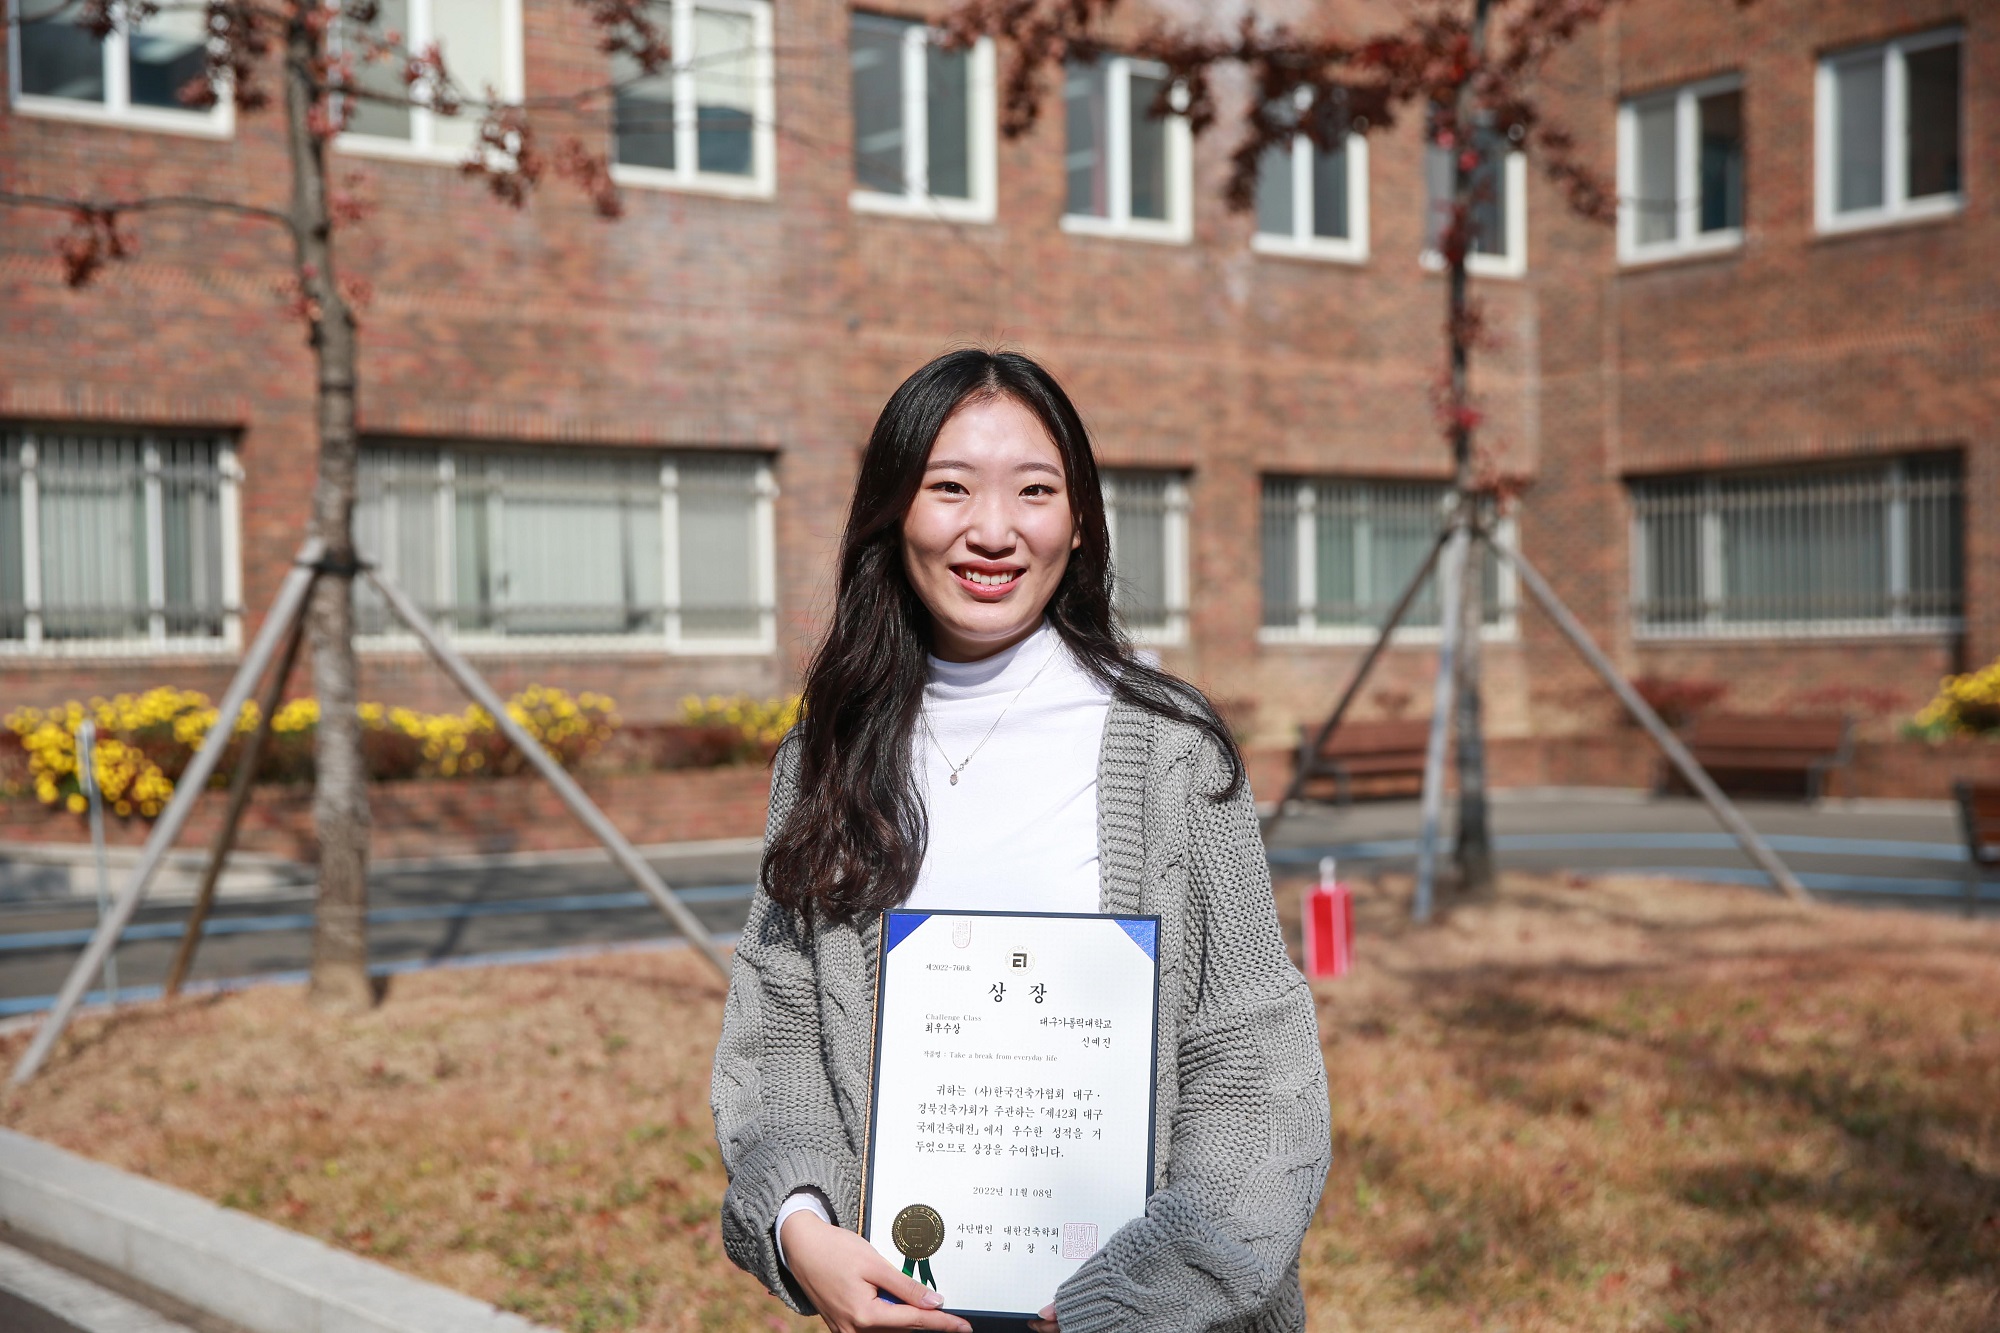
<point x="1624" y="1106"/>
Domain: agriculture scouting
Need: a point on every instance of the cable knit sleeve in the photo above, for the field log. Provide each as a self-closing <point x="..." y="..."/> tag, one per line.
<point x="1218" y="1245"/>
<point x="775" y="1115"/>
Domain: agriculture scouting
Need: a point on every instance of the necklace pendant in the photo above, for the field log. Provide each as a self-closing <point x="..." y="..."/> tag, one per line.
<point x="954" y="779"/>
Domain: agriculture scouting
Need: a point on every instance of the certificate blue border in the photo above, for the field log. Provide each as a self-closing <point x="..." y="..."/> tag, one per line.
<point x="896" y="927"/>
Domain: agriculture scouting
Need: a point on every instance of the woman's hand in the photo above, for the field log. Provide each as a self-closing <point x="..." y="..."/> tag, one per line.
<point x="1047" y="1323"/>
<point x="842" y="1274"/>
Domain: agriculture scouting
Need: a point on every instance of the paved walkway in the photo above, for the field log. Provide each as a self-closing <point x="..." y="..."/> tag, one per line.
<point x="471" y="911"/>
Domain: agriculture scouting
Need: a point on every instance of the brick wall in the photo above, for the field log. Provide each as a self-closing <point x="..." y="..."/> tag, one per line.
<point x="780" y="326"/>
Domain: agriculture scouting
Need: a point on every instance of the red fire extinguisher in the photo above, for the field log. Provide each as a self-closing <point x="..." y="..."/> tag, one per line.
<point x="1329" y="925"/>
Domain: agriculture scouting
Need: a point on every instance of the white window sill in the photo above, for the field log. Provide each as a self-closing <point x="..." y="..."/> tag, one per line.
<point x="1171" y="635"/>
<point x="569" y="645"/>
<point x="935" y="208"/>
<point x="1480" y="266"/>
<point x="1877" y="219"/>
<point x="401" y="150"/>
<point x="1136" y="229"/>
<point x="216" y="124"/>
<point x="1506" y="630"/>
<point x="1325" y="249"/>
<point x="1945" y="627"/>
<point x="119" y="649"/>
<point x="715" y="183"/>
<point x="1709" y="243"/>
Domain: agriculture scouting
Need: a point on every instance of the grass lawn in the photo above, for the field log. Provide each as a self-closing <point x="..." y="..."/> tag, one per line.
<point x="1630" y="1105"/>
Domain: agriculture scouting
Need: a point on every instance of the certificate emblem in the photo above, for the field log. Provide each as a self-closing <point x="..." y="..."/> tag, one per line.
<point x="918" y="1233"/>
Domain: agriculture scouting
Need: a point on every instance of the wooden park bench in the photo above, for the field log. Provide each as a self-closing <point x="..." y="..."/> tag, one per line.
<point x="1979" y="814"/>
<point x="1737" y="745"/>
<point x="1362" y="750"/>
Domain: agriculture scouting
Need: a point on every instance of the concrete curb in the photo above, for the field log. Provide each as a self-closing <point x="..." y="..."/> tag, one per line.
<point x="234" y="1266"/>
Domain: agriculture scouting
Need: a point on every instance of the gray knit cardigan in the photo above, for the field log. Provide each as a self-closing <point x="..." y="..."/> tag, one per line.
<point x="1244" y="1144"/>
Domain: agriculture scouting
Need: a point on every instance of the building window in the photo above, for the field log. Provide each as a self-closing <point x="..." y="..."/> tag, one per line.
<point x="117" y="541"/>
<point x="923" y="121"/>
<point x="1499" y="207"/>
<point x="1339" y="552"/>
<point x="1147" y="512"/>
<point x="1874" y="548"/>
<point x="1890" y="131"/>
<point x="1680" y="171"/>
<point x="480" y="41"/>
<point x="132" y="77"/>
<point x="1312" y="200"/>
<point x="1128" y="168"/>
<point x="639" y="549"/>
<point x="705" y="121"/>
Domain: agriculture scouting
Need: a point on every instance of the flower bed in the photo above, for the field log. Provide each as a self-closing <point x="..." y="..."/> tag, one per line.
<point x="146" y="741"/>
<point x="428" y="818"/>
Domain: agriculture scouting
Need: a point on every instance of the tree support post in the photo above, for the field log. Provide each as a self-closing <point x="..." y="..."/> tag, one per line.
<point x="1732" y="819"/>
<point x="1354" y="683"/>
<point x="579" y="803"/>
<point x="1452" y="576"/>
<point x="285" y="609"/>
<point x="239" y="797"/>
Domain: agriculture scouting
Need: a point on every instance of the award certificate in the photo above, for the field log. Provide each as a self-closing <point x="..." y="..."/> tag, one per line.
<point x="1011" y="1125"/>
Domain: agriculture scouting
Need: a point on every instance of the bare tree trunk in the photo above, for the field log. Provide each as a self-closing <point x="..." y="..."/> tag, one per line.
<point x="1473" y="853"/>
<point x="340" y="791"/>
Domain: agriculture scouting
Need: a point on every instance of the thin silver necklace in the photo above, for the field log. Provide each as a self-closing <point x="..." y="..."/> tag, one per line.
<point x="960" y="766"/>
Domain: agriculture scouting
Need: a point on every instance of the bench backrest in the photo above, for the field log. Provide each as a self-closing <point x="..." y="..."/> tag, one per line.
<point x="1738" y="731"/>
<point x="1358" y="738"/>
<point x="1979" y="807"/>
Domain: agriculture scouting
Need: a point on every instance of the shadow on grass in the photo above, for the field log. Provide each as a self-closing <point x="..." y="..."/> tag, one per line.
<point x="1931" y="1214"/>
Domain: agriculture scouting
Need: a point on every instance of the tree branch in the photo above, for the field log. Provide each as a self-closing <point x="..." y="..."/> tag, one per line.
<point x="95" y="239"/>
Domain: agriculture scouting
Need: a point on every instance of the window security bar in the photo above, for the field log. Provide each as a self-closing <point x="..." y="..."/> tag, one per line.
<point x="117" y="542"/>
<point x="1875" y="549"/>
<point x="1337" y="552"/>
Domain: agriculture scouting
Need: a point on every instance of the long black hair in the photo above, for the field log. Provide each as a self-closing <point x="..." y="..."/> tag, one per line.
<point x="854" y="840"/>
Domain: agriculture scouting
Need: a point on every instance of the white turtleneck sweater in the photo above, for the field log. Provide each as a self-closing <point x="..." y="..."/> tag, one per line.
<point x="1018" y="831"/>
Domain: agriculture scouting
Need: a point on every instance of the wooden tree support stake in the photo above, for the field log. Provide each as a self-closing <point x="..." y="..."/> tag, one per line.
<point x="1725" y="810"/>
<point x="285" y="609"/>
<point x="573" y="796"/>
<point x="239" y="797"/>
<point x="1452" y="577"/>
<point x="1354" y="683"/>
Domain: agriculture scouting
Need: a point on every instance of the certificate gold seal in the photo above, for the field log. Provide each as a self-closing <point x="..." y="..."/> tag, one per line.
<point x="918" y="1233"/>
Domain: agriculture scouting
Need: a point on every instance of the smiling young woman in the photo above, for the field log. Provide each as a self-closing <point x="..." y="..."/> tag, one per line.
<point x="978" y="734"/>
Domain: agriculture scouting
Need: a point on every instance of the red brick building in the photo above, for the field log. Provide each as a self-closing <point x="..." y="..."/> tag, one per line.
<point x="1760" y="418"/>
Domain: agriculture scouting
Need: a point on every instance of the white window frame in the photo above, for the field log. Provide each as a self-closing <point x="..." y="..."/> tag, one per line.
<point x="217" y="122"/>
<point x="1175" y="527"/>
<point x="1714" y="577"/>
<point x="916" y="200"/>
<point x="1504" y="628"/>
<point x="1514" y="263"/>
<point x="686" y="175"/>
<point x="1896" y="206"/>
<point x="1687" y="238"/>
<point x="764" y="583"/>
<point x="421" y="146"/>
<point x="1177" y="228"/>
<point x="156" y="642"/>
<point x="1303" y="243"/>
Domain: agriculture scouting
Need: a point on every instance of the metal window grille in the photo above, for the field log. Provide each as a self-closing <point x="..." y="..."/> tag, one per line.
<point x="1877" y="548"/>
<point x="562" y="544"/>
<point x="1147" y="512"/>
<point x="111" y="536"/>
<point x="1338" y="552"/>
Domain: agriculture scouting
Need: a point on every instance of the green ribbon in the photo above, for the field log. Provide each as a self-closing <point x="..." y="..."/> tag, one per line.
<point x="912" y="1267"/>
